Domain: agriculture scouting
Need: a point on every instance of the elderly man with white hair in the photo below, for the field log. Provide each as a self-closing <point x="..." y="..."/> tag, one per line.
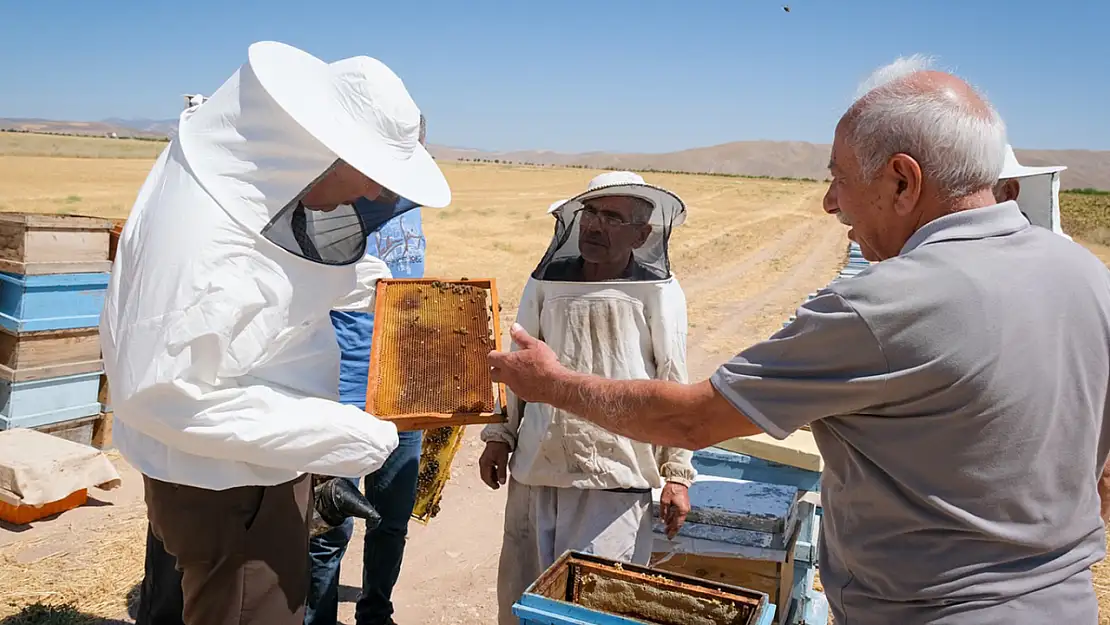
<point x="963" y="423"/>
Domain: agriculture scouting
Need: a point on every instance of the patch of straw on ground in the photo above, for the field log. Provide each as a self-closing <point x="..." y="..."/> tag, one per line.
<point x="94" y="571"/>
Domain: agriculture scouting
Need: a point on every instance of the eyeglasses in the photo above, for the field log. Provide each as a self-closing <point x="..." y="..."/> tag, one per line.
<point x="607" y="218"/>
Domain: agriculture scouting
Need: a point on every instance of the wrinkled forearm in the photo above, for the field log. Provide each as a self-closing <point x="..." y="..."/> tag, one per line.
<point x="690" y="416"/>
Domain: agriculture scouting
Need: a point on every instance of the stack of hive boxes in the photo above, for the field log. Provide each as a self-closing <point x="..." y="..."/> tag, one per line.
<point x="54" y="271"/>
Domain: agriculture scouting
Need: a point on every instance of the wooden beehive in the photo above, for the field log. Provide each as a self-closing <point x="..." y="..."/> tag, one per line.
<point x="113" y="238"/>
<point x="580" y="588"/>
<point x="33" y="244"/>
<point x="48" y="401"/>
<point x="47" y="354"/>
<point x="751" y="525"/>
<point x="428" y="354"/>
<point x="51" y="302"/>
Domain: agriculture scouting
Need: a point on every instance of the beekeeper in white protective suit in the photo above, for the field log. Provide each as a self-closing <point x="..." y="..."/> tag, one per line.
<point x="217" y="342"/>
<point x="1035" y="189"/>
<point x="604" y="299"/>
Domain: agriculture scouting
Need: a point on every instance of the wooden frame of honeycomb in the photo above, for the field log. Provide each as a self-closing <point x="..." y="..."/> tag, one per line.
<point x="607" y="586"/>
<point x="428" y="369"/>
<point x="428" y="353"/>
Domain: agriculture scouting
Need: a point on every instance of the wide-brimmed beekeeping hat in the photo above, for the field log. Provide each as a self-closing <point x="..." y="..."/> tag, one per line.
<point x="667" y="208"/>
<point x="360" y="110"/>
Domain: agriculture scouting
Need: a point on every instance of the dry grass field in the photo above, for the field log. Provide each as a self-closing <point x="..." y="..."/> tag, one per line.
<point x="750" y="252"/>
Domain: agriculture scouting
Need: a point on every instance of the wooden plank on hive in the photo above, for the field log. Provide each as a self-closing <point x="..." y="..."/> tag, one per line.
<point x="32" y="244"/>
<point x="80" y="430"/>
<point x="428" y="353"/>
<point x="50" y="353"/>
<point x="797" y="450"/>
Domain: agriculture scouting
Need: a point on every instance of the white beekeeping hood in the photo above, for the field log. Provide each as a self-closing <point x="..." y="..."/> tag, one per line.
<point x="1040" y="191"/>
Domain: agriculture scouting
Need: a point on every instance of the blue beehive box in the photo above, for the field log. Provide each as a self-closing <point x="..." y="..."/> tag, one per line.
<point x="52" y="301"/>
<point x="749" y="520"/>
<point x="47" y="401"/>
<point x="582" y="589"/>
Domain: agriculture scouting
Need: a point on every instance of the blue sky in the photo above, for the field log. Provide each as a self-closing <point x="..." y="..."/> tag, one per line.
<point x="614" y="75"/>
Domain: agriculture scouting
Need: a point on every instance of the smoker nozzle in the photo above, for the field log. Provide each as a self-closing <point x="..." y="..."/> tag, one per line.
<point x="335" y="500"/>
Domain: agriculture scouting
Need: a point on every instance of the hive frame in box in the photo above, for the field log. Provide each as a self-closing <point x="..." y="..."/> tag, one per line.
<point x="551" y="600"/>
<point x="427" y="421"/>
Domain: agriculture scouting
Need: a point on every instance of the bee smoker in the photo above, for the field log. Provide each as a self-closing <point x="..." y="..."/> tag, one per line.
<point x="334" y="501"/>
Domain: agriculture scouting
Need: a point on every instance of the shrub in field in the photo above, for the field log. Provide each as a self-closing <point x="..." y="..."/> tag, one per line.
<point x="1085" y="215"/>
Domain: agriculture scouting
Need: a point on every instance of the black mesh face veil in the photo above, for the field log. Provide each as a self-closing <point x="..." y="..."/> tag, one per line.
<point x="335" y="237"/>
<point x="612" y="234"/>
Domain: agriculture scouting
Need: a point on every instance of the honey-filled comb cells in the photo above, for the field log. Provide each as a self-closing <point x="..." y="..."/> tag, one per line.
<point x="428" y="365"/>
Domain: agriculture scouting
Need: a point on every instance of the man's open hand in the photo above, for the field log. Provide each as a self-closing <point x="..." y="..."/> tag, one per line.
<point x="674" y="505"/>
<point x="530" y="371"/>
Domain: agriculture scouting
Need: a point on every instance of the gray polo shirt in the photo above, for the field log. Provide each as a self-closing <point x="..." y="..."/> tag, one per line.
<point x="959" y="396"/>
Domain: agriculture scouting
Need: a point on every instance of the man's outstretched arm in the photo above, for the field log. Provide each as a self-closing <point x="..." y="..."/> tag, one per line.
<point x="690" y="416"/>
<point x="827" y="362"/>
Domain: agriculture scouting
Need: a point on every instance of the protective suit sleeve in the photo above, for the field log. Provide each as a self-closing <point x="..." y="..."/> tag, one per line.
<point x="668" y="336"/>
<point x="186" y="379"/>
<point x="369" y="270"/>
<point x="264" y="426"/>
<point x="528" y="316"/>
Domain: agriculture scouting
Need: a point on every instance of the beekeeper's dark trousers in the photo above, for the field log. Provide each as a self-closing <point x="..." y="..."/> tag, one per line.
<point x="160" y="592"/>
<point x="242" y="552"/>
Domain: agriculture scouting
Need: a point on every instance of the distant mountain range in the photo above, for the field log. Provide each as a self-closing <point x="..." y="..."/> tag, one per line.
<point x="147" y="128"/>
<point x="779" y="159"/>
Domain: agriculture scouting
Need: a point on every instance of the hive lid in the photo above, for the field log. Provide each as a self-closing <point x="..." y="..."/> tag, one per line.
<point x="739" y="504"/>
<point x="37" y="468"/>
<point x="428" y="353"/>
<point x="56" y="221"/>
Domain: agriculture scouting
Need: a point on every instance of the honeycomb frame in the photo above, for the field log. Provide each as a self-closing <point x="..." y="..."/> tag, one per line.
<point x="440" y="312"/>
<point x="437" y="452"/>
